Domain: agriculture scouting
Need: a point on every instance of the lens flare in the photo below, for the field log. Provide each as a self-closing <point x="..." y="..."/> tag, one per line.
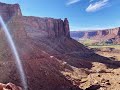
<point x="15" y="54"/>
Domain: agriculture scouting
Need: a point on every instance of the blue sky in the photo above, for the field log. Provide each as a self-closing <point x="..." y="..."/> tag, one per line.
<point x="82" y="14"/>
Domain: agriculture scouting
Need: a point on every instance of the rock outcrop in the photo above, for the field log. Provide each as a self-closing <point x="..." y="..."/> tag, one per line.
<point x="66" y="28"/>
<point x="7" y="11"/>
<point x="9" y="86"/>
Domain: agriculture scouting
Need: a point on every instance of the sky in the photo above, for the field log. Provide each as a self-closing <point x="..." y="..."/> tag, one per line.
<point x="82" y="14"/>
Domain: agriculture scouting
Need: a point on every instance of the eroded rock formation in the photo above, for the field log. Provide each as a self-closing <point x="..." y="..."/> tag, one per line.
<point x="98" y="35"/>
<point x="44" y="27"/>
<point x="7" y="10"/>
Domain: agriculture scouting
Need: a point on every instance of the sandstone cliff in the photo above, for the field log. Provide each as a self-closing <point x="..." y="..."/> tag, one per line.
<point x="46" y="27"/>
<point x="7" y="11"/>
<point x="36" y="26"/>
<point x="98" y="35"/>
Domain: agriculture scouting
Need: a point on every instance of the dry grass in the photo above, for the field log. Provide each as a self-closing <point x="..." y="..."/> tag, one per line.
<point x="106" y="46"/>
<point x="114" y="55"/>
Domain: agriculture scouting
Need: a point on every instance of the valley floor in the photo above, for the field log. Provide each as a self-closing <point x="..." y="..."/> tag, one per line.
<point x="108" y="78"/>
<point x="110" y="51"/>
<point x="99" y="77"/>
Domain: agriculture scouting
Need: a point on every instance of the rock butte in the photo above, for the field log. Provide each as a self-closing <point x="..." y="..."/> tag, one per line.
<point x="46" y="27"/>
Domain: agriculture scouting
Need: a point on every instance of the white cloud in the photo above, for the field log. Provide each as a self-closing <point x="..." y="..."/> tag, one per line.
<point x="72" y="2"/>
<point x="97" y="5"/>
<point x="91" y="0"/>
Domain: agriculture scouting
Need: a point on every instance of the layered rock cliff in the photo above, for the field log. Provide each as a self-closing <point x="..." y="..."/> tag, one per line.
<point x="46" y="27"/>
<point x="7" y="11"/>
<point x="36" y="26"/>
<point x="98" y="35"/>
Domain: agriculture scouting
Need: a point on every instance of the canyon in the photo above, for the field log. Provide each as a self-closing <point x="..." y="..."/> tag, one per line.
<point x="52" y="60"/>
<point x="107" y="35"/>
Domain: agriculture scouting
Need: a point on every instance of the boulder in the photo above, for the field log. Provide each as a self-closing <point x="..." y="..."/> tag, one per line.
<point x="9" y="86"/>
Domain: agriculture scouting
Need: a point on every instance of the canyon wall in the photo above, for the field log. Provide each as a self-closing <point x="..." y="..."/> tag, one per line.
<point x="9" y="10"/>
<point x="35" y="26"/>
<point x="108" y="33"/>
<point x="46" y="27"/>
<point x="98" y="35"/>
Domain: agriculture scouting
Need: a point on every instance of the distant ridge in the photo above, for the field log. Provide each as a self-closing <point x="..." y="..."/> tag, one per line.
<point x="99" y="35"/>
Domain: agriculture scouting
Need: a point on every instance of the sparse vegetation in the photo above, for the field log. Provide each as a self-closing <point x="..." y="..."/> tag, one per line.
<point x="88" y="42"/>
<point x="105" y="46"/>
<point x="91" y="42"/>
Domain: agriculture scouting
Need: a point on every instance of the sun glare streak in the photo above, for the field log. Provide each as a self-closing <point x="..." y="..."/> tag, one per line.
<point x="15" y="54"/>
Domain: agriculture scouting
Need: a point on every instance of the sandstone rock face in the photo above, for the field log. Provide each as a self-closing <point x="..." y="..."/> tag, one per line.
<point x="7" y="11"/>
<point x="46" y="27"/>
<point x="99" y="35"/>
<point x="66" y="26"/>
<point x="36" y="26"/>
